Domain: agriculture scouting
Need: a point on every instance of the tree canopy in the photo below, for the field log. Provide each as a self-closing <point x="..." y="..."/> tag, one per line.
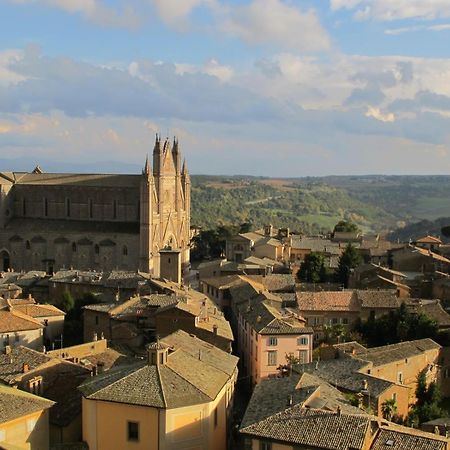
<point x="397" y="326"/>
<point x="313" y="269"/>
<point x="349" y="259"/>
<point x="346" y="226"/>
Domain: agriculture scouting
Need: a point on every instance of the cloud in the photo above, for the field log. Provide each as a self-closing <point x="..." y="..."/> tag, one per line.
<point x="412" y="29"/>
<point x="276" y="22"/>
<point x="145" y="89"/>
<point x="176" y="13"/>
<point x="94" y="11"/>
<point x="388" y="10"/>
<point x="211" y="67"/>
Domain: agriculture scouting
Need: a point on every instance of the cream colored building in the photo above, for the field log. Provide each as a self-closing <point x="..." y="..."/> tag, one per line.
<point x="23" y="420"/>
<point x="180" y="398"/>
<point x="52" y="221"/>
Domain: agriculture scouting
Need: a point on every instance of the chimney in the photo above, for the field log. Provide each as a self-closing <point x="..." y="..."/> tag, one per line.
<point x="338" y="411"/>
<point x="215" y="329"/>
<point x="25" y="367"/>
<point x="290" y="400"/>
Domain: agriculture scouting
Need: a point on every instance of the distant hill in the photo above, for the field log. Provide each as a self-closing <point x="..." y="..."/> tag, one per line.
<point x="419" y="229"/>
<point x="375" y="202"/>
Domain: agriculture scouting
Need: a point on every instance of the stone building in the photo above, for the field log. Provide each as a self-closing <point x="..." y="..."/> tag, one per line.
<point x="51" y="221"/>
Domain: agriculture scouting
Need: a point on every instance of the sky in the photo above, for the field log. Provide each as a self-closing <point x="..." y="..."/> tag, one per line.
<point x="282" y="88"/>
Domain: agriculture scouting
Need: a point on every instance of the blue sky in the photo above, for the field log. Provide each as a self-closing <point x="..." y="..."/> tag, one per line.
<point x="260" y="87"/>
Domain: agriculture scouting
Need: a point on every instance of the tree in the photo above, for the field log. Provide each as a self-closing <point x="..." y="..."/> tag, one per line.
<point x="446" y="231"/>
<point x="396" y="326"/>
<point x="346" y="226"/>
<point x="313" y="269"/>
<point x="389" y="408"/>
<point x="428" y="398"/>
<point x="245" y="227"/>
<point x="348" y="261"/>
<point x="66" y="302"/>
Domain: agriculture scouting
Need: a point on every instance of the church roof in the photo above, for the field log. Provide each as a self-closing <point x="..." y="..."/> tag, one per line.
<point x="68" y="179"/>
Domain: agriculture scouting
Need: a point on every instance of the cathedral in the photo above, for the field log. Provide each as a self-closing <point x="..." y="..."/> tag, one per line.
<point x="52" y="221"/>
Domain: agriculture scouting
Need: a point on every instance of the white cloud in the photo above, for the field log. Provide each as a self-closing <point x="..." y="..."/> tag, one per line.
<point x="211" y="67"/>
<point x="411" y="29"/>
<point x="94" y="11"/>
<point x="177" y="12"/>
<point x="390" y="10"/>
<point x="276" y="22"/>
<point x="376" y="113"/>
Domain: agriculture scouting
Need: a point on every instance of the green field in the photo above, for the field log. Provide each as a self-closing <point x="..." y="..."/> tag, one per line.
<point x="375" y="203"/>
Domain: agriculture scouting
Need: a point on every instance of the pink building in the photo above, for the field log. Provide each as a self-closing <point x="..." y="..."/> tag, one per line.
<point x="267" y="334"/>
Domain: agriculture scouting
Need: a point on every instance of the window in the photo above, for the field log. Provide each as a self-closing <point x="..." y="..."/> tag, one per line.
<point x="91" y="209"/>
<point x="345" y="321"/>
<point x="133" y="431"/>
<point x="303" y="356"/>
<point x="24" y="207"/>
<point x="96" y="320"/>
<point x="97" y="249"/>
<point x="394" y="397"/>
<point x="400" y="377"/>
<point x="27" y="245"/>
<point x="68" y="207"/>
<point x="17" y="337"/>
<point x="6" y="339"/>
<point x="74" y="247"/>
<point x="272" y="358"/>
<point x="125" y="250"/>
<point x="302" y="341"/>
<point x="273" y="341"/>
<point x="45" y="207"/>
<point x="334" y="321"/>
<point x="265" y="446"/>
<point x="216" y="419"/>
<point x="2" y="435"/>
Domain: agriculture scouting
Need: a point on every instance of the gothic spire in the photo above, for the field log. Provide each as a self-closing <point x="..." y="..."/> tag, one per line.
<point x="157" y="148"/>
<point x="147" y="169"/>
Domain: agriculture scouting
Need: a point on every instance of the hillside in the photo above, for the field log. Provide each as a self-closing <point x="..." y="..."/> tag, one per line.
<point x="375" y="203"/>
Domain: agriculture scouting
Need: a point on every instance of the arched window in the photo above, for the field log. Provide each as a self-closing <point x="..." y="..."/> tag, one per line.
<point x="125" y="250"/>
<point x="74" y="247"/>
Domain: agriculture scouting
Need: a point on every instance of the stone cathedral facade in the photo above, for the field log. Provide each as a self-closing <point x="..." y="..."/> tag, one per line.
<point x="98" y="222"/>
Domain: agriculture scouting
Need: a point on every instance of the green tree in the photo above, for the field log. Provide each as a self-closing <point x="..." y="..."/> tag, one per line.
<point x="313" y="269"/>
<point x="346" y="226"/>
<point x="446" y="231"/>
<point x="389" y="408"/>
<point x="428" y="398"/>
<point x="349" y="259"/>
<point x="66" y="302"/>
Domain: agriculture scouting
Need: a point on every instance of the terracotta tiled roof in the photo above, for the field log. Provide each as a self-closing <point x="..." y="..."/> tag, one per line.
<point x="432" y="308"/>
<point x="11" y="366"/>
<point x="38" y="310"/>
<point x="12" y="321"/>
<point x="328" y="301"/>
<point x="402" y="438"/>
<point x="313" y="428"/>
<point x="15" y="404"/>
<point x="429" y="240"/>
<point x="387" y="354"/>
<point x="192" y="376"/>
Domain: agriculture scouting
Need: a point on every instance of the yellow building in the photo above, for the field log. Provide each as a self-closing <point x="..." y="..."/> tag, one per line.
<point x="180" y="397"/>
<point x="23" y="420"/>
